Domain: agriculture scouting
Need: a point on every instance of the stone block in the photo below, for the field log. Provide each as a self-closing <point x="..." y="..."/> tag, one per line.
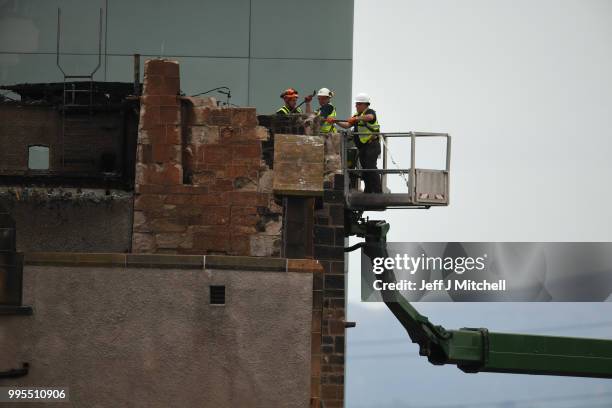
<point x="165" y="153"/>
<point x="217" y="154"/>
<point x="202" y="134"/>
<point x="248" y="198"/>
<point x="161" y="66"/>
<point x="246" y="151"/>
<point x="298" y="165"/>
<point x="149" y="115"/>
<point x="262" y="133"/>
<point x="153" y="83"/>
<point x="210" y="199"/>
<point x="197" y="102"/>
<point x="151" y="133"/>
<point x="144" y="153"/>
<point x="292" y="179"/>
<point x="220" y="117"/>
<point x="143" y="243"/>
<point x="212" y="242"/>
<point x="239" y="170"/>
<point x="169" y="240"/>
<point x="221" y="185"/>
<point x="167" y="225"/>
<point x="242" y="117"/>
<point x="173" y="134"/>
<point x="170" y="115"/>
<point x="140" y="222"/>
<point x="244" y="216"/>
<point x="203" y="177"/>
<point x="264" y="245"/>
<point x="167" y="174"/>
<point x="215" y="215"/>
<point x="197" y="115"/>
<point x="146" y="202"/>
<point x="245" y="184"/>
<point x="240" y="244"/>
<point x="304" y="265"/>
<point x="265" y="181"/>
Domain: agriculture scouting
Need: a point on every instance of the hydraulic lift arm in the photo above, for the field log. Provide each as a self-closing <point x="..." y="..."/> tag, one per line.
<point x="476" y="349"/>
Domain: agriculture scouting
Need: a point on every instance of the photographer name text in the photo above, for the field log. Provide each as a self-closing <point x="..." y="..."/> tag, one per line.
<point x="441" y="284"/>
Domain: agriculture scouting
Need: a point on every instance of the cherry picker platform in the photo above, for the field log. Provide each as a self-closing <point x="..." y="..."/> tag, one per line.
<point x="424" y="187"/>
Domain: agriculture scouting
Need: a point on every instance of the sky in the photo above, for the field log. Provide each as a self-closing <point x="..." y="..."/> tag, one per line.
<point x="524" y="88"/>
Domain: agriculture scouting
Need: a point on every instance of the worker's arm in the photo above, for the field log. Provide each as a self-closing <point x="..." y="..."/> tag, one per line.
<point x="368" y="118"/>
<point x="308" y="99"/>
<point x="346" y="124"/>
<point x="351" y="121"/>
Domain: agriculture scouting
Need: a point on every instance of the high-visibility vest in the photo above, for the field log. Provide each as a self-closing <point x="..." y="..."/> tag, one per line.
<point x="328" y="127"/>
<point x="366" y="128"/>
<point x="285" y="110"/>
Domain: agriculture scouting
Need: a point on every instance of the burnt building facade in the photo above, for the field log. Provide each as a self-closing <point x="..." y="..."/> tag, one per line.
<point x="216" y="264"/>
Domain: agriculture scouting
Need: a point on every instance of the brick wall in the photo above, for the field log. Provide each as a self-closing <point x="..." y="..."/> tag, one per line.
<point x="79" y="142"/>
<point x="21" y="126"/>
<point x="329" y="250"/>
<point x="201" y="184"/>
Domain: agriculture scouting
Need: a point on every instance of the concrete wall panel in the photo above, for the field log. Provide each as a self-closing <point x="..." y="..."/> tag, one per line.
<point x="302" y="29"/>
<point x="31" y="25"/>
<point x="37" y="68"/>
<point x="149" y="338"/>
<point x="188" y="27"/>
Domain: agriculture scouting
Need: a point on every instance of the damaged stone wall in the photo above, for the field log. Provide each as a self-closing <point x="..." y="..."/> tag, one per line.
<point x="202" y="186"/>
<point x="57" y="219"/>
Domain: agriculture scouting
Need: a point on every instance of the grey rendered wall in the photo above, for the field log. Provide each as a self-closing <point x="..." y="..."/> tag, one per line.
<point x="255" y="47"/>
<point x="149" y="338"/>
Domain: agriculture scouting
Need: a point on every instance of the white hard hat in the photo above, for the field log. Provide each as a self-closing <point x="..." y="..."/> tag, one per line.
<point x="325" y="92"/>
<point x="362" y="98"/>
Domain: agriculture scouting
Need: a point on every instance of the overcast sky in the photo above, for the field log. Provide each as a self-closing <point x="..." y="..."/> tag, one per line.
<point x="524" y="88"/>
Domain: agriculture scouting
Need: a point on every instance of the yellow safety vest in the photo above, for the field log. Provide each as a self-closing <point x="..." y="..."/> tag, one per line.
<point x="284" y="110"/>
<point x="328" y="127"/>
<point x="365" y="128"/>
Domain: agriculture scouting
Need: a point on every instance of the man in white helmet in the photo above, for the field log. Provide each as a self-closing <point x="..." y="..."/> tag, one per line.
<point x="326" y="110"/>
<point x="366" y="128"/>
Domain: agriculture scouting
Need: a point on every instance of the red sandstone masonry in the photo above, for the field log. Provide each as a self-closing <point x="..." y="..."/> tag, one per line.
<point x="199" y="188"/>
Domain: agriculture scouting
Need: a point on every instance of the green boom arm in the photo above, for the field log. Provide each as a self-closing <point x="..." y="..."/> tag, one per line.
<point x="478" y="350"/>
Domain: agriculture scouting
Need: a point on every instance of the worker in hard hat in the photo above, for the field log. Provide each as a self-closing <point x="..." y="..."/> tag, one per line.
<point x="326" y="110"/>
<point x="290" y="97"/>
<point x="366" y="128"/>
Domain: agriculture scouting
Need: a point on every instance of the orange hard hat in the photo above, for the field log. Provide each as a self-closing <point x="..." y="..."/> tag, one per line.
<point x="290" y="93"/>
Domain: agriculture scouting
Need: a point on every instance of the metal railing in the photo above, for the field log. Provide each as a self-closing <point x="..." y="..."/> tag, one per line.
<point x="386" y="155"/>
